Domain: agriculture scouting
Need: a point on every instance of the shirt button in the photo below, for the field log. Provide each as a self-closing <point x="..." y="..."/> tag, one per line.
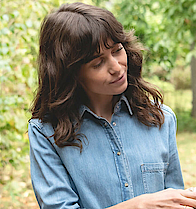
<point x="114" y="124"/>
<point x="126" y="184"/>
<point x="105" y="124"/>
<point x="118" y="153"/>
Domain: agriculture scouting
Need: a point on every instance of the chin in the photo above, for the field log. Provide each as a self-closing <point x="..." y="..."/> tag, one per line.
<point x="120" y="91"/>
<point x="124" y="87"/>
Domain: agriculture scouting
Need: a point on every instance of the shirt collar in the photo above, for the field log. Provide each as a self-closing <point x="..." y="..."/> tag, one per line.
<point x="117" y="107"/>
<point x="126" y="102"/>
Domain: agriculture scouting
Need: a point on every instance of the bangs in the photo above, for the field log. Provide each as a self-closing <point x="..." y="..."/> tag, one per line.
<point x="103" y="42"/>
<point x="102" y="37"/>
<point x="93" y="35"/>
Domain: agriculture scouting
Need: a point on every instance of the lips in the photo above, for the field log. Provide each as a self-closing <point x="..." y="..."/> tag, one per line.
<point x="118" y="79"/>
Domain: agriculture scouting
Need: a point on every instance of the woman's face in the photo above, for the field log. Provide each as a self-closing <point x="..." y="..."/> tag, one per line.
<point x="106" y="74"/>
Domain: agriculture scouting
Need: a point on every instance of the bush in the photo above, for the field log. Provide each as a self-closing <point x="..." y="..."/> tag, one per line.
<point x="185" y="122"/>
<point x="163" y="86"/>
<point x="181" y="77"/>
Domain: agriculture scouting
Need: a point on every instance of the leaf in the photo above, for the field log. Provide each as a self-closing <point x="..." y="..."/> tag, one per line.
<point x="194" y="7"/>
<point x="4" y="31"/>
<point x="5" y="17"/>
<point x="4" y="50"/>
<point x="29" y="23"/>
<point x="189" y="56"/>
<point x="15" y="13"/>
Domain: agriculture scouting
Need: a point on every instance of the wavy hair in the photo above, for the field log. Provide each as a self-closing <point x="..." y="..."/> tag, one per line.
<point x="69" y="37"/>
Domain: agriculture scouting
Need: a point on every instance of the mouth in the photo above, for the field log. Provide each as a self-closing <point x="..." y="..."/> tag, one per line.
<point x="118" y="79"/>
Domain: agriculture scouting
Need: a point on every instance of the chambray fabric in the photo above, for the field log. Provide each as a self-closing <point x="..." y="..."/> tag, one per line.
<point x="120" y="160"/>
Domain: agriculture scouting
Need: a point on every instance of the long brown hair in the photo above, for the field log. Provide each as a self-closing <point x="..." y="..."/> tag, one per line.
<point x="69" y="37"/>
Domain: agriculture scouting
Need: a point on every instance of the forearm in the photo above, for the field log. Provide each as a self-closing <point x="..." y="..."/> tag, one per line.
<point x="169" y="198"/>
<point x="134" y="203"/>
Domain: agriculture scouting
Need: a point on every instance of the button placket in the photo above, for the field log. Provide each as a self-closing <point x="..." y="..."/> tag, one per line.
<point x="115" y="136"/>
<point x="114" y="123"/>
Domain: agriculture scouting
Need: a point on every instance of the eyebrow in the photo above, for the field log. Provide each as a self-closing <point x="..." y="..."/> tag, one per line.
<point x="99" y="55"/>
<point x="95" y="56"/>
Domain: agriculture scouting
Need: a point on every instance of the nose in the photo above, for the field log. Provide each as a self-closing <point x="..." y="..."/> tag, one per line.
<point x="114" y="66"/>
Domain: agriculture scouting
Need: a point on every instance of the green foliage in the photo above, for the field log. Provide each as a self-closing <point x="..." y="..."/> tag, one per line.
<point x="163" y="86"/>
<point x="17" y="51"/>
<point x="185" y="122"/>
<point x="166" y="28"/>
<point x="181" y="77"/>
<point x="146" y="20"/>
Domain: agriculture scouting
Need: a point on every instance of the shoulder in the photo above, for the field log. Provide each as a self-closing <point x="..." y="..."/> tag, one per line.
<point x="36" y="122"/>
<point x="37" y="125"/>
<point x="170" y="117"/>
<point x="168" y="112"/>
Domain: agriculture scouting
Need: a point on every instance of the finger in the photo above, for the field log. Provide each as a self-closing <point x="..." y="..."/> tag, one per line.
<point x="187" y="207"/>
<point x="189" y="194"/>
<point x="189" y="198"/>
<point x="189" y="202"/>
<point x="192" y="189"/>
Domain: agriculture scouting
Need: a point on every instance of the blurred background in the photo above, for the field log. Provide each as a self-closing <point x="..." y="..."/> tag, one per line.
<point x="167" y="28"/>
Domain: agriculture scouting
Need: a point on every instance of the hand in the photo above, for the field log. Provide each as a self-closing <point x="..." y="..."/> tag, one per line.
<point x="167" y="199"/>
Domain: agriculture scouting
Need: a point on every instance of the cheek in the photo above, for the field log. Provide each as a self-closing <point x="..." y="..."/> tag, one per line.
<point x="87" y="82"/>
<point x="83" y="78"/>
<point x="91" y="79"/>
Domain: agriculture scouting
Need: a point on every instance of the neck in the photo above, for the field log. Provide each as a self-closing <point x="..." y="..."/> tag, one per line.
<point x="102" y="106"/>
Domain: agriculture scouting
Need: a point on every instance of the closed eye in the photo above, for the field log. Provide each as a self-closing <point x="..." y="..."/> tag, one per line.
<point x="118" y="50"/>
<point x="98" y="65"/>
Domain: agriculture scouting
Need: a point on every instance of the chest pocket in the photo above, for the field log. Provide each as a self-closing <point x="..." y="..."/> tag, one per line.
<point x="153" y="175"/>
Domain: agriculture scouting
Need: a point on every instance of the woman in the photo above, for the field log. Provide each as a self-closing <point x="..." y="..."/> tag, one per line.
<point x="99" y="134"/>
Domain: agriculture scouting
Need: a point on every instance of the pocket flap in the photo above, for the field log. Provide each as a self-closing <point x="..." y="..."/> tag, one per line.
<point x="154" y="167"/>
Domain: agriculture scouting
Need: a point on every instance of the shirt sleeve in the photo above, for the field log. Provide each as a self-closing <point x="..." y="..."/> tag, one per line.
<point x="50" y="180"/>
<point x="174" y="175"/>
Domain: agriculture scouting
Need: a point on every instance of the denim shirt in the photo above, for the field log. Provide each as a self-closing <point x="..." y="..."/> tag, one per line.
<point x="120" y="160"/>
